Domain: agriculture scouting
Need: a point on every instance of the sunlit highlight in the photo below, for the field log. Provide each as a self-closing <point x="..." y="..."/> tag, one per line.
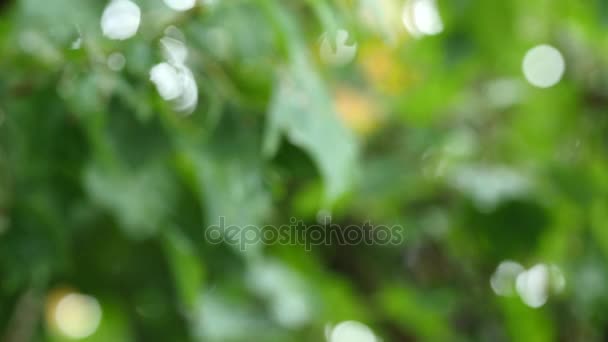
<point x="533" y="286"/>
<point x="120" y="19"/>
<point x="77" y="316"/>
<point x="421" y="18"/>
<point x="543" y="66"/>
<point x="180" y="5"/>
<point x="350" y="331"/>
<point x="173" y="79"/>
<point x="503" y="279"/>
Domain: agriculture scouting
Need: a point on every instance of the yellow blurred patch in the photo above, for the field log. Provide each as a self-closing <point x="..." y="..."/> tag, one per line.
<point x="384" y="71"/>
<point x="357" y="111"/>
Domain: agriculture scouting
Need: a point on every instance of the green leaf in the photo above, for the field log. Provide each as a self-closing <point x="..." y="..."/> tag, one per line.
<point x="302" y="110"/>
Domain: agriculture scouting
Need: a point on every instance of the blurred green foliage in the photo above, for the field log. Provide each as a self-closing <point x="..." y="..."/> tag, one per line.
<point x="106" y="190"/>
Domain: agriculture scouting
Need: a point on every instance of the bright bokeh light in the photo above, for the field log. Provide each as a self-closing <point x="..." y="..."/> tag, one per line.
<point x="120" y="20"/>
<point x="77" y="316"/>
<point x="503" y="279"/>
<point x="180" y="5"/>
<point x="543" y="66"/>
<point x="175" y="83"/>
<point x="116" y="61"/>
<point x="173" y="79"/>
<point x="533" y="286"/>
<point x="189" y="96"/>
<point x="167" y="81"/>
<point x="338" y="51"/>
<point x="421" y="18"/>
<point x="351" y="331"/>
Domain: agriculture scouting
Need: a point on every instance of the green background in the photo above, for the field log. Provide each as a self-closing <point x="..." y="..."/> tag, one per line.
<point x="106" y="190"/>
